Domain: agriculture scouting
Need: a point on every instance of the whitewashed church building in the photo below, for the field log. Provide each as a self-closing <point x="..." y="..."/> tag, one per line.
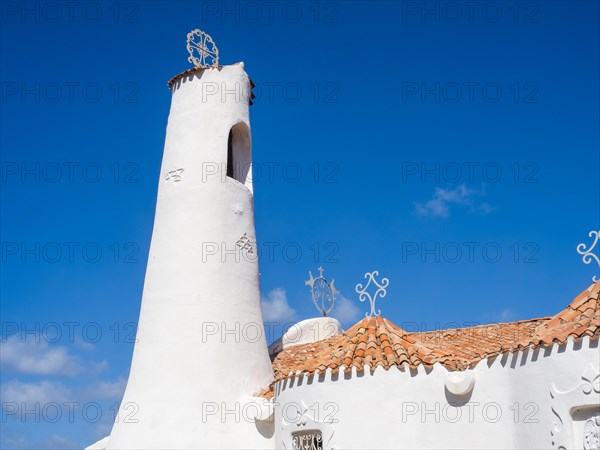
<point x="202" y="375"/>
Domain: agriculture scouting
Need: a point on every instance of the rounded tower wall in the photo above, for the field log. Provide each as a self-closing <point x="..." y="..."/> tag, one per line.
<point x="200" y="338"/>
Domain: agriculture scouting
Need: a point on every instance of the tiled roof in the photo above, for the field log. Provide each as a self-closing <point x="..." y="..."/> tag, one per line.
<point x="193" y="70"/>
<point x="377" y="342"/>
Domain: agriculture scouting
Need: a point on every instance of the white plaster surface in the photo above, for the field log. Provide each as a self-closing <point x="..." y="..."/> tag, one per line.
<point x="311" y="330"/>
<point x="510" y="406"/>
<point x="460" y="383"/>
<point x="184" y="359"/>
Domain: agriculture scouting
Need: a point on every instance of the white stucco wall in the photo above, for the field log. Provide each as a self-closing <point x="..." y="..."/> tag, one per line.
<point x="201" y="341"/>
<point x="306" y="331"/>
<point x="509" y="407"/>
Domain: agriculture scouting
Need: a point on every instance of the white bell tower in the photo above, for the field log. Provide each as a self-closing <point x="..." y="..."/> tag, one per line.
<point x="201" y="343"/>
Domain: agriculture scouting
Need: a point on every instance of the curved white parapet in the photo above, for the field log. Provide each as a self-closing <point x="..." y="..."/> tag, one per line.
<point x="311" y="330"/>
<point x="460" y="383"/>
<point x="258" y="408"/>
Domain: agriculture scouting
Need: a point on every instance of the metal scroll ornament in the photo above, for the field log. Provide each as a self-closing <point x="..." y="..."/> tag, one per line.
<point x="380" y="292"/>
<point x="591" y="434"/>
<point x="202" y="49"/>
<point x="307" y="440"/>
<point x="587" y="253"/>
<point x="323" y="292"/>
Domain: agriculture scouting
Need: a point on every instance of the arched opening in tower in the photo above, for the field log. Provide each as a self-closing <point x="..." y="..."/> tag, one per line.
<point x="239" y="153"/>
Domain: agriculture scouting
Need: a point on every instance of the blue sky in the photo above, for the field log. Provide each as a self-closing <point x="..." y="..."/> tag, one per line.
<point x="454" y="149"/>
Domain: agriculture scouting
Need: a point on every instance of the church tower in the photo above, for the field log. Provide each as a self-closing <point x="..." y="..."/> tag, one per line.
<point x="201" y="348"/>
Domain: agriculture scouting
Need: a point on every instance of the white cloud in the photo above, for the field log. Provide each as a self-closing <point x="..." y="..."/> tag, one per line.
<point x="275" y="307"/>
<point x="42" y="392"/>
<point x="13" y="440"/>
<point x="507" y="315"/>
<point x="111" y="390"/>
<point x="83" y="344"/>
<point x="96" y="368"/>
<point x="346" y="311"/>
<point x="57" y="441"/>
<point x="443" y="199"/>
<point x="19" y="441"/>
<point x="38" y="358"/>
<point x="38" y="394"/>
<point x="47" y="391"/>
<point x="486" y="208"/>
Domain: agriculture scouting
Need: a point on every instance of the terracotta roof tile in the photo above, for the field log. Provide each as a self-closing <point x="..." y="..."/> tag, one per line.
<point x="376" y="341"/>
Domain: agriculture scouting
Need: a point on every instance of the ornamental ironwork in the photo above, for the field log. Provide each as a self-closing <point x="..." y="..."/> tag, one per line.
<point x="587" y="253"/>
<point x="307" y="440"/>
<point x="591" y="434"/>
<point x="380" y="292"/>
<point x="323" y="292"/>
<point x="202" y="49"/>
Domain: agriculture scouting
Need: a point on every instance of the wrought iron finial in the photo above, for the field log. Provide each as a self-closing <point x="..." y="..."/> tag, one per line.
<point x="323" y="292"/>
<point x="587" y="255"/>
<point x="381" y="291"/>
<point x="200" y="43"/>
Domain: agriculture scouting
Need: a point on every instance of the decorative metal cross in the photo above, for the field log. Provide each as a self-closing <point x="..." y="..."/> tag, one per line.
<point x="587" y="255"/>
<point x="322" y="291"/>
<point x="381" y="291"/>
<point x="201" y="43"/>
